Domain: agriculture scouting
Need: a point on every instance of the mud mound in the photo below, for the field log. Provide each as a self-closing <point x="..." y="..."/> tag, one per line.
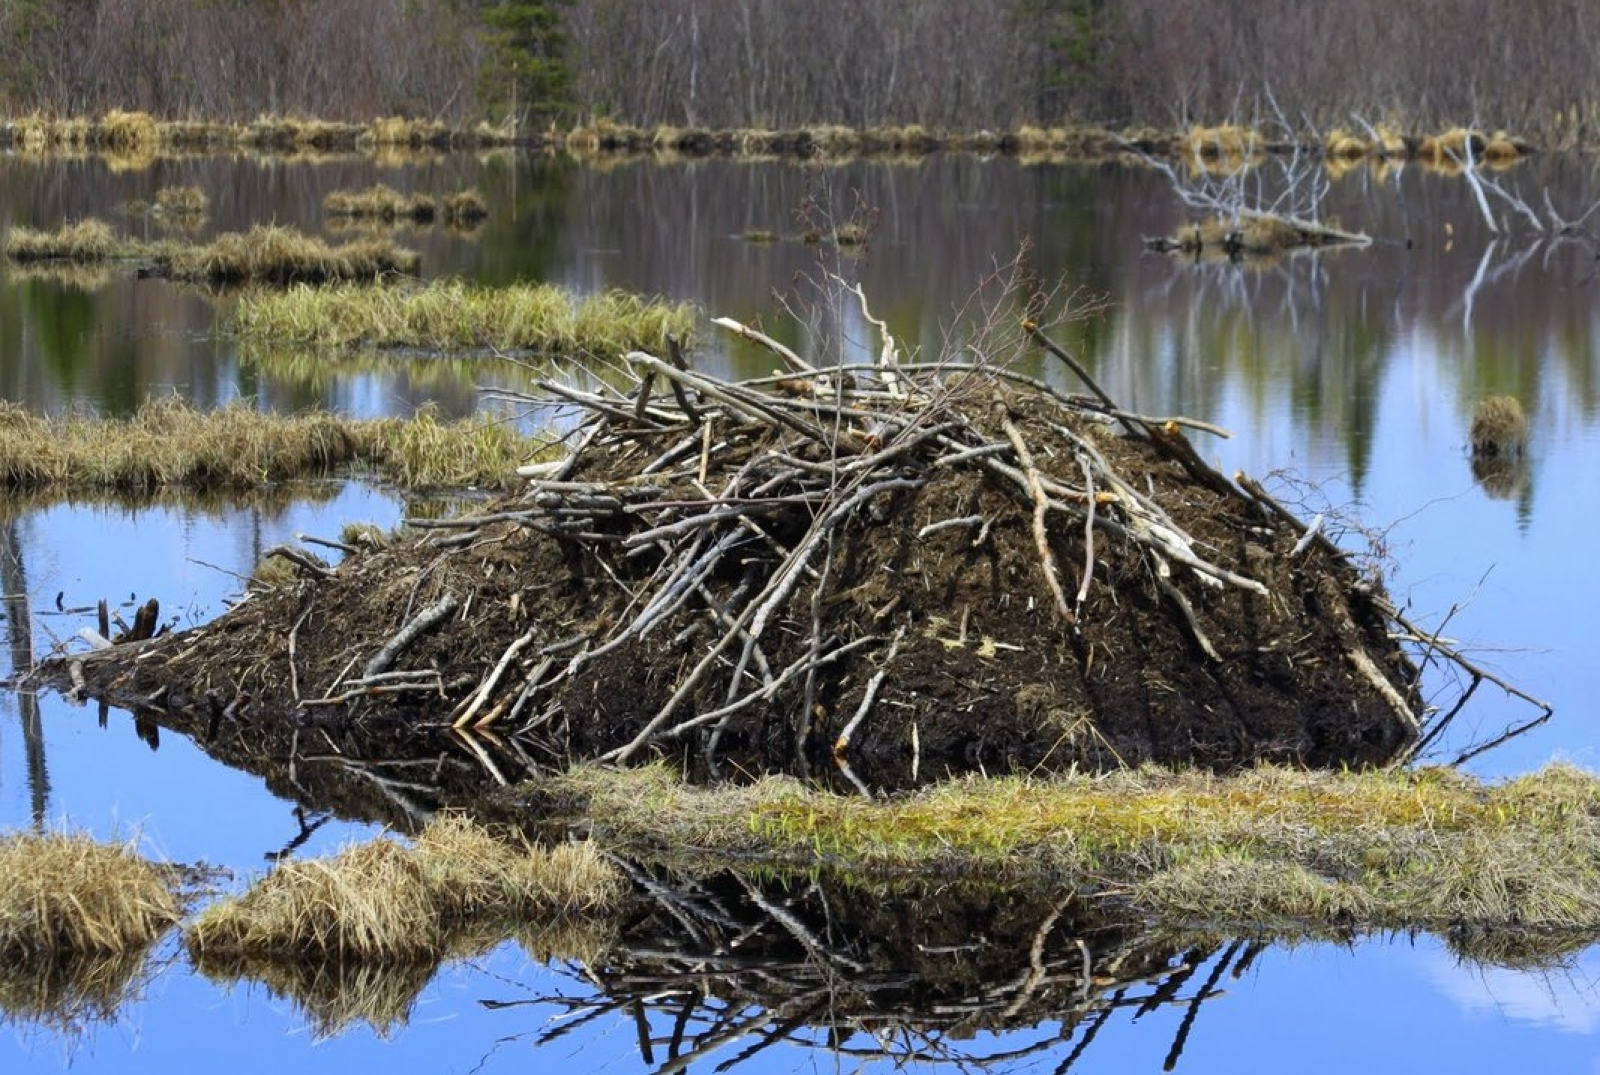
<point x="890" y="573"/>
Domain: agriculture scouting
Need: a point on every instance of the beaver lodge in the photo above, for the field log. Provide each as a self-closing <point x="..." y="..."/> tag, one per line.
<point x="883" y="573"/>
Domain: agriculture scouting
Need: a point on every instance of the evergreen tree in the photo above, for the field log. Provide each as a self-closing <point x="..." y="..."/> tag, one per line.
<point x="527" y="72"/>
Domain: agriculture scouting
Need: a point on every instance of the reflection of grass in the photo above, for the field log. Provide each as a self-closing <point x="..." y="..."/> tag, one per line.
<point x="168" y="443"/>
<point x="68" y="994"/>
<point x="77" y="921"/>
<point x="453" y="316"/>
<point x="1379" y="848"/>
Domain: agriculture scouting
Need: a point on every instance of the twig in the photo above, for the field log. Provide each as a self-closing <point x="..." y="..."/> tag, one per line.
<point x="423" y="622"/>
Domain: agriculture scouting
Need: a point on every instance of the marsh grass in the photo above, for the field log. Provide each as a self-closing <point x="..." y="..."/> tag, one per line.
<point x="85" y="242"/>
<point x="1405" y="848"/>
<point x="282" y="255"/>
<point x="168" y="443"/>
<point x="184" y="201"/>
<point x="380" y="202"/>
<point x="447" y="316"/>
<point x="383" y="203"/>
<point x="82" y="907"/>
<point x="382" y="901"/>
<point x="1499" y="427"/>
<point x="264" y="254"/>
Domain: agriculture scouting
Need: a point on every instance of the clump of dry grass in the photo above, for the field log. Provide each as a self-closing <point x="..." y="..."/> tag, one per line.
<point x="1380" y="848"/>
<point x="1499" y="427"/>
<point x="465" y="208"/>
<point x="131" y="133"/>
<point x="168" y="443"/>
<point x="382" y="901"/>
<point x="1254" y="235"/>
<point x="271" y="255"/>
<point x="86" y="242"/>
<point x="448" y="316"/>
<point x="380" y="202"/>
<point x="185" y="201"/>
<point x="72" y="895"/>
<point x="282" y="255"/>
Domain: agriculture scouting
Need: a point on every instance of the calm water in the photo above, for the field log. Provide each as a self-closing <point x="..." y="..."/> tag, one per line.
<point x="1357" y="371"/>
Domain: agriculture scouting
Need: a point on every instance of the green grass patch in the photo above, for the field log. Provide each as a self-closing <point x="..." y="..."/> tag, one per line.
<point x="169" y="444"/>
<point x="1399" y="848"/>
<point x="448" y="316"/>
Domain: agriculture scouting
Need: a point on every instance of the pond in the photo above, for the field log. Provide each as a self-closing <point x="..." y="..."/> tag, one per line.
<point x="1354" y="370"/>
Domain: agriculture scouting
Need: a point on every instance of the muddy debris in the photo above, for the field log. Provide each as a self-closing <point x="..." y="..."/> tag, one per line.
<point x="883" y="574"/>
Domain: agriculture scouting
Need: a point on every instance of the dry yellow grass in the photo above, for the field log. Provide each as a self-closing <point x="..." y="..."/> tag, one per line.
<point x="71" y="895"/>
<point x="84" y="241"/>
<point x="186" y="201"/>
<point x="1499" y="427"/>
<point x="169" y="444"/>
<point x="382" y="901"/>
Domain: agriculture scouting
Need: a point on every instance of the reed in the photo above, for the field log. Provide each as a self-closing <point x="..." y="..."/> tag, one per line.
<point x="445" y="316"/>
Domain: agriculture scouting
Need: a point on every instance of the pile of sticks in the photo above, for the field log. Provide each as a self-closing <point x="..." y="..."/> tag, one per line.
<point x="678" y="479"/>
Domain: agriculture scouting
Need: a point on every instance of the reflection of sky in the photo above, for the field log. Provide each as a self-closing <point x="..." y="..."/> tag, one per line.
<point x="1565" y="999"/>
<point x="104" y="780"/>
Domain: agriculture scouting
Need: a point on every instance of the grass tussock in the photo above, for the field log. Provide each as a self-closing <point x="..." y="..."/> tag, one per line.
<point x="169" y="444"/>
<point x="268" y="255"/>
<point x="385" y="204"/>
<point x="384" y="902"/>
<point x="1499" y="427"/>
<point x="86" y="242"/>
<point x="185" y="201"/>
<point x="450" y="316"/>
<point x="69" y="895"/>
<point x="129" y="133"/>
<point x="1406" y="848"/>
<point x="282" y="255"/>
<point x="1254" y="235"/>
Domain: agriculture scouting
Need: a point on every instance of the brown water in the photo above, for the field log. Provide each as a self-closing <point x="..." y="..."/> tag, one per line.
<point x="1356" y="369"/>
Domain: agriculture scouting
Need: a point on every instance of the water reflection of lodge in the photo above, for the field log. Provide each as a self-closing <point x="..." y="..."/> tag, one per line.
<point x="904" y="973"/>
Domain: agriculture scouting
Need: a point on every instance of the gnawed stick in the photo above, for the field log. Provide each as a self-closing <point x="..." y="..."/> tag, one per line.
<point x="842" y="744"/>
<point x="481" y="695"/>
<point x="1041" y="508"/>
<point x="795" y="363"/>
<point x="422" y="622"/>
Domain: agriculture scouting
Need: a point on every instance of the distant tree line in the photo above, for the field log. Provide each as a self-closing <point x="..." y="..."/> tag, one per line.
<point x="1529" y="65"/>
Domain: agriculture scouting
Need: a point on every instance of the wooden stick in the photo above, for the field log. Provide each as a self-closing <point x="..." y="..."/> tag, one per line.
<point x="1041" y="508"/>
<point x="423" y="622"/>
<point x="795" y="363"/>
<point x="477" y="699"/>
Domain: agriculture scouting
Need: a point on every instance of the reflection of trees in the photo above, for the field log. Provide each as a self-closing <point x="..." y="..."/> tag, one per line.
<point x="19" y="637"/>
